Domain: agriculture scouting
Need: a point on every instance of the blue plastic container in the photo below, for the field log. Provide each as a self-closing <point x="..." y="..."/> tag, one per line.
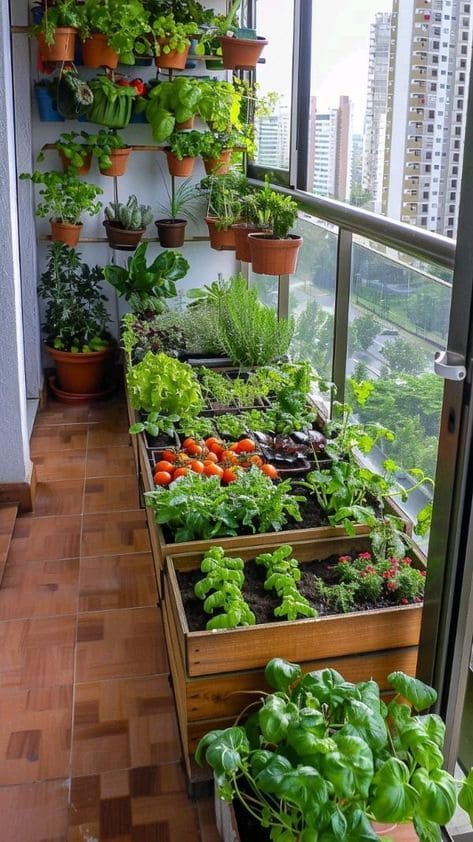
<point x="138" y="118"/>
<point x="47" y="106"/>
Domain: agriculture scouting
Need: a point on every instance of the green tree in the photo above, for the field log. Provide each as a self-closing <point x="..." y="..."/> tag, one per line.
<point x="313" y="338"/>
<point x="404" y="357"/>
<point x="363" y="330"/>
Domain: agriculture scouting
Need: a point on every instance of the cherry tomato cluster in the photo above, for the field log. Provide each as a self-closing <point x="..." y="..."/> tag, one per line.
<point x="211" y="457"/>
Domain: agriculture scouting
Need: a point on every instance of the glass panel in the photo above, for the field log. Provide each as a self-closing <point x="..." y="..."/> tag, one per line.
<point x="399" y="315"/>
<point x="267" y="286"/>
<point x="273" y="132"/>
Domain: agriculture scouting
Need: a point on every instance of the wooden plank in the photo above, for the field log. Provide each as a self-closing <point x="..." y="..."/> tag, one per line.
<point x="133" y="439"/>
<point x="176" y="616"/>
<point x="178" y="686"/>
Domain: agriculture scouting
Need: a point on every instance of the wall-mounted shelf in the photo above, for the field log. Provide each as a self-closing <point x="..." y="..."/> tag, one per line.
<point x="45" y="238"/>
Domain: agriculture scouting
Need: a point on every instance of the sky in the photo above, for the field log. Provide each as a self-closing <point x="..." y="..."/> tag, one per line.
<point x="341" y="33"/>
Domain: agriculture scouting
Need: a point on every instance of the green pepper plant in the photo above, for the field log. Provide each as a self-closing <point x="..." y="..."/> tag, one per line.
<point x="322" y="758"/>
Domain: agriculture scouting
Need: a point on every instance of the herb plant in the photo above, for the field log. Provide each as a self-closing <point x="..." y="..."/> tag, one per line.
<point x="186" y="144"/>
<point x="169" y="35"/>
<point x="146" y="286"/>
<point x="64" y="13"/>
<point x="76" y="317"/>
<point x="64" y="197"/>
<point x="219" y="105"/>
<point x="282" y="575"/>
<point x="164" y="332"/>
<point x="221" y="589"/>
<point x="124" y="22"/>
<point x="224" y="197"/>
<point x="170" y="103"/>
<point x="164" y="387"/>
<point x="322" y="758"/>
<point x="268" y="209"/>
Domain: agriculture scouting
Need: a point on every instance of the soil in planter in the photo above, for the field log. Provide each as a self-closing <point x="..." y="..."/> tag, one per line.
<point x="262" y="602"/>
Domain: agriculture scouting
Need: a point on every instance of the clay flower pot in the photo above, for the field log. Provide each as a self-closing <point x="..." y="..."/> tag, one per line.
<point x="241" y="231"/>
<point x="63" y="46"/>
<point x="241" y="53"/>
<point x="220" y="165"/>
<point x="65" y="232"/>
<point x="188" y="124"/>
<point x="96" y="52"/>
<point x="172" y="60"/>
<point x="270" y="256"/>
<point x="83" y="170"/>
<point x="122" y="239"/>
<point x="82" y="374"/>
<point x="181" y="169"/>
<point x="171" y="232"/>
<point x="119" y="162"/>
<point x="220" y="240"/>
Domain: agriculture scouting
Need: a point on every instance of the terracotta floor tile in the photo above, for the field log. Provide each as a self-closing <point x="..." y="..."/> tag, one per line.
<point x="36" y="653"/>
<point x="47" y="538"/>
<point x="110" y="461"/>
<point x="35" y="812"/>
<point x="39" y="588"/>
<point x="116" y="581"/>
<point x="206" y="814"/>
<point x="60" y="466"/>
<point x="115" y="534"/>
<point x="114" y="644"/>
<point x="124" y="723"/>
<point x="59" y="413"/>
<point x="110" y="410"/>
<point x="8" y="515"/>
<point x="168" y="817"/>
<point x="59" y="498"/>
<point x="58" y="439"/>
<point x="109" y="434"/>
<point x="108" y="494"/>
<point x="35" y="735"/>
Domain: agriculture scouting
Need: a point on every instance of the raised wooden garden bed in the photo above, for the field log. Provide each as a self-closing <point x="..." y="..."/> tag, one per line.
<point x="213" y="671"/>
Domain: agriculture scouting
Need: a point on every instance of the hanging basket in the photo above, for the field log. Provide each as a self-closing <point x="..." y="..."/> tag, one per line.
<point x="96" y="52"/>
<point x="171" y="232"/>
<point x="241" y="231"/>
<point x="65" y="232"/>
<point x="119" y="162"/>
<point x="180" y="168"/>
<point x="122" y="239"/>
<point x="172" y="60"/>
<point x="270" y="256"/>
<point x="241" y="53"/>
<point x="63" y="46"/>
<point x="219" y="165"/>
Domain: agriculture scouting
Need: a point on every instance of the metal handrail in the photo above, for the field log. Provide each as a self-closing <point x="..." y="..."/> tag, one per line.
<point x="417" y="242"/>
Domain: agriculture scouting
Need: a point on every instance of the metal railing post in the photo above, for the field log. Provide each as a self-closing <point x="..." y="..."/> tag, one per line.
<point x="341" y="312"/>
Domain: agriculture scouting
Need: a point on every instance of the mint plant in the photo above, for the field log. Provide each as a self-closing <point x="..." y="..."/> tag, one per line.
<point x="221" y="589"/>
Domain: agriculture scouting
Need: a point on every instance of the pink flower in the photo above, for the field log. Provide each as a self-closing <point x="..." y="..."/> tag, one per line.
<point x="370" y="569"/>
<point x="418" y="599"/>
<point x="406" y="560"/>
<point x="362" y="574"/>
<point x="404" y="601"/>
<point x="343" y="559"/>
<point x="386" y="574"/>
<point x="365" y="556"/>
<point x="391" y="585"/>
<point x="423" y="573"/>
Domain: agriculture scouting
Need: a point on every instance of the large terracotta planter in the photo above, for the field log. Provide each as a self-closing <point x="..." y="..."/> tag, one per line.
<point x="119" y="162"/>
<point x="213" y="671"/>
<point x="241" y="231"/>
<point x="96" y="52"/>
<point x="172" y="60"/>
<point x="65" y="232"/>
<point x="220" y="165"/>
<point x="171" y="232"/>
<point x="63" y="46"/>
<point x="121" y="238"/>
<point x="79" y="374"/>
<point x="221" y="240"/>
<point x="241" y="53"/>
<point x="180" y="168"/>
<point x="270" y="256"/>
<point x="83" y="170"/>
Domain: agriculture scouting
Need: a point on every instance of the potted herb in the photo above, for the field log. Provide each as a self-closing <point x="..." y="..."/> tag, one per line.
<point x="74" y="151"/>
<point x="144" y="286"/>
<point x="274" y="253"/>
<point x="184" y="148"/>
<point x="224" y="195"/>
<point x="172" y="106"/>
<point x="216" y="151"/>
<point x="75" y="324"/>
<point x="323" y="757"/>
<point x="125" y="224"/>
<point x="240" y="49"/>
<point x="171" y="229"/>
<point x="171" y="41"/>
<point x="219" y="105"/>
<point x="113" y="103"/>
<point x="112" y="31"/>
<point x="64" y="198"/>
<point x="56" y="32"/>
<point x="111" y="151"/>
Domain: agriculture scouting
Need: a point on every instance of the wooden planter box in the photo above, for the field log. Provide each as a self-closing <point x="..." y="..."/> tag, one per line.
<point x="212" y="671"/>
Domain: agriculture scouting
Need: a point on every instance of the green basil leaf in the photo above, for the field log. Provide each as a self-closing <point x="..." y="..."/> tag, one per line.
<point x="427" y="831"/>
<point x="420" y="695"/>
<point x="274" y="719"/>
<point x="281" y="674"/>
<point x="225" y="754"/>
<point x="465" y="796"/>
<point x="349" y="768"/>
<point x="270" y="776"/>
<point x="437" y="795"/>
<point x="394" y="798"/>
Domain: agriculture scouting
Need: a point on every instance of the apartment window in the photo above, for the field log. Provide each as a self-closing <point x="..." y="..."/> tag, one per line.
<point x="464" y="50"/>
<point x="451" y="208"/>
<point x="430" y="128"/>
<point x="461" y="90"/>
<point x="454" y="182"/>
<point x="427" y="168"/>
<point x="458" y="130"/>
<point x="453" y="196"/>
<point x="433" y="86"/>
<point x="450" y="220"/>
<point x="425" y="208"/>
<point x="456" y="157"/>
<point x="454" y="170"/>
<point x="425" y="194"/>
<point x="435" y="59"/>
<point x="423" y="220"/>
<point x="428" y="156"/>
<point x="456" y="144"/>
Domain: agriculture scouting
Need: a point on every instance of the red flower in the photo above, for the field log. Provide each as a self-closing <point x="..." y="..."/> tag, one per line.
<point x="365" y="556"/>
<point x="404" y="601"/>
<point x="370" y="569"/>
<point x="418" y="599"/>
<point x="386" y="574"/>
<point x="406" y="560"/>
<point x="344" y="559"/>
<point x="391" y="585"/>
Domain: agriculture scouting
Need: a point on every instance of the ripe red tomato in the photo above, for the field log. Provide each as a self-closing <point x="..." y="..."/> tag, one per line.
<point x="229" y="475"/>
<point x="168" y="455"/>
<point x="187" y="442"/>
<point x="180" y="472"/>
<point x="164" y="465"/>
<point x="211" y="441"/>
<point x="212" y="470"/>
<point x="162" y="478"/>
<point x="270" y="471"/>
<point x="194" y="449"/>
<point x="246" y="446"/>
<point x="256" y="460"/>
<point x="211" y="457"/>
<point x="229" y="456"/>
<point x="197" y="466"/>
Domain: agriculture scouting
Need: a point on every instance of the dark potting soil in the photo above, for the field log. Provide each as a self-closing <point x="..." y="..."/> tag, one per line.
<point x="262" y="602"/>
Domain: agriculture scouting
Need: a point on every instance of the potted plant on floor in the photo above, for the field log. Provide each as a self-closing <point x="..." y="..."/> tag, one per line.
<point x="183" y="149"/>
<point x="75" y="324"/>
<point x="172" y="106"/>
<point x="125" y="224"/>
<point x="274" y="253"/>
<point x="113" y="31"/>
<point x="113" y="103"/>
<point x="56" y="33"/>
<point x="63" y="200"/>
<point x="323" y="758"/>
<point x="224" y="194"/>
<point x="178" y="210"/>
<point x="171" y="41"/>
<point x="145" y="287"/>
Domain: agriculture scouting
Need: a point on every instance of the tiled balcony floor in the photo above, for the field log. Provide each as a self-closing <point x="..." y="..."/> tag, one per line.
<point x="89" y="747"/>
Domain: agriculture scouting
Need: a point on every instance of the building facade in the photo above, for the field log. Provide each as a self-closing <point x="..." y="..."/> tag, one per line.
<point x="376" y="107"/>
<point x="329" y="169"/>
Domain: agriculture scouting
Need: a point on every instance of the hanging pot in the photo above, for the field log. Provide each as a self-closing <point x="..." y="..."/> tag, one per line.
<point x="82" y="374"/>
<point x="270" y="256"/>
<point x="96" y="52"/>
<point x="172" y="60"/>
<point x="65" y="232"/>
<point x="241" y="231"/>
<point x="188" y="124"/>
<point x="171" y="232"/>
<point x="122" y="239"/>
<point x="219" y="165"/>
<point x="241" y="53"/>
<point x="119" y="162"/>
<point x="63" y="46"/>
<point x="221" y="240"/>
<point x="180" y="168"/>
<point x="66" y="163"/>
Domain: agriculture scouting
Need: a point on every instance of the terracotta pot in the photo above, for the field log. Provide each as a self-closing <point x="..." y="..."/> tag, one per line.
<point x="83" y="170"/>
<point x="219" y="165"/>
<point x="122" y="239"/>
<point x="171" y="232"/>
<point x="63" y="46"/>
<point x="274" y="257"/>
<point x="96" y="52"/>
<point x="119" y="162"/>
<point x="241" y="53"/>
<point x="80" y="374"/>
<point x="172" y="60"/>
<point x="188" y="124"/>
<point x="182" y="169"/>
<point x="241" y="231"/>
<point x="65" y="232"/>
<point x="220" y="240"/>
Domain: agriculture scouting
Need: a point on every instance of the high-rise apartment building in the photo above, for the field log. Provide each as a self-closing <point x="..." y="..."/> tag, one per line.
<point x="272" y="137"/>
<point x="376" y="107"/>
<point x="329" y="159"/>
<point x="426" y="110"/>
